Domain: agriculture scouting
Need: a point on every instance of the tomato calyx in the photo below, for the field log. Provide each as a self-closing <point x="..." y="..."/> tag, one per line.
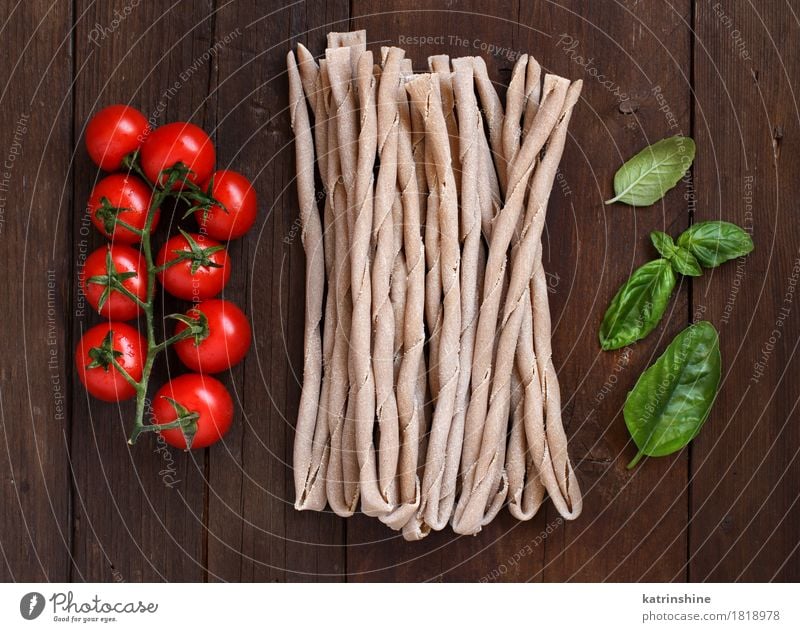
<point x="200" y="200"/>
<point x="109" y="215"/>
<point x="113" y="281"/>
<point x="186" y="421"/>
<point x="196" y="328"/>
<point x="105" y="356"/>
<point x="197" y="255"/>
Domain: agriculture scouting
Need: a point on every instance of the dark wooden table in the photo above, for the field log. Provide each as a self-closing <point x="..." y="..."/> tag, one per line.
<point x="77" y="503"/>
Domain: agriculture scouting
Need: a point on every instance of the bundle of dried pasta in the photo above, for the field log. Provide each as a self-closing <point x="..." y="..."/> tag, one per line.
<point x="429" y="389"/>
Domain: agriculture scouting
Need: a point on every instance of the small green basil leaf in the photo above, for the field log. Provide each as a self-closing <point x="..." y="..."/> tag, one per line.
<point x="646" y="177"/>
<point x="663" y="243"/>
<point x="713" y="243"/>
<point x="672" y="399"/>
<point x="638" y="305"/>
<point x="684" y="262"/>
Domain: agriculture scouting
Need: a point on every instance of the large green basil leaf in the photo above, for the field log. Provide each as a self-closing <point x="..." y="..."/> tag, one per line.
<point x="646" y="177"/>
<point x="638" y="305"/>
<point x="713" y="243"/>
<point x="672" y="399"/>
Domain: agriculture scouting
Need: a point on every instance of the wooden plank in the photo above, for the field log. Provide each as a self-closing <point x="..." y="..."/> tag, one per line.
<point x="35" y="233"/>
<point x="745" y="510"/>
<point x="254" y="532"/>
<point x="139" y="511"/>
<point x="632" y="59"/>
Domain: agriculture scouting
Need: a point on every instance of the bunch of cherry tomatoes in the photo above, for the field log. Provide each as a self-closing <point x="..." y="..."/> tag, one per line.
<point x="114" y="359"/>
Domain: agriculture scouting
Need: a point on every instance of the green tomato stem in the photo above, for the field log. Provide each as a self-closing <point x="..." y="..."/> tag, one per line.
<point x="153" y="348"/>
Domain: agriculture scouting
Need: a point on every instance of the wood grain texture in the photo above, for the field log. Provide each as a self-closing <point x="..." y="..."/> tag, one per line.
<point x="745" y="467"/>
<point x="78" y="503"/>
<point x="35" y="253"/>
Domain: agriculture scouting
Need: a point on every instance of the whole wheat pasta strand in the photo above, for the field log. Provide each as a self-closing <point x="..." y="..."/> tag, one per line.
<point x="493" y="111"/>
<point x="515" y="105"/>
<point x="533" y="94"/>
<point x="515" y="460"/>
<point x="440" y="64"/>
<point x="552" y="461"/>
<point x="305" y="467"/>
<point x="526" y="489"/>
<point x="383" y="324"/>
<point x="348" y="39"/>
<point x="441" y="496"/>
<point x="489" y="467"/>
<point x="502" y="231"/>
<point x="410" y="388"/>
<point x="425" y="95"/>
<point x="399" y="283"/>
<point x="489" y="188"/>
<point x="311" y="76"/>
<point x="342" y="480"/>
<point x="362" y="384"/>
<point x="314" y="79"/>
<point x="433" y="276"/>
<point x="348" y="48"/>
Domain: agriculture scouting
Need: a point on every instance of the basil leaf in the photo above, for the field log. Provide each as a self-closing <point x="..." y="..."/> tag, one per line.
<point x="685" y="263"/>
<point x="646" y="177"/>
<point x="672" y="399"/>
<point x="713" y="243"/>
<point x="663" y="243"/>
<point x="638" y="305"/>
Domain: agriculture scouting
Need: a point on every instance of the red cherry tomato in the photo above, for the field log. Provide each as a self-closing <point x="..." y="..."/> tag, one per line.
<point x="226" y="344"/>
<point x="201" y="394"/>
<point x="178" y="142"/>
<point x="212" y="267"/>
<point x="124" y="262"/>
<point x="113" y="133"/>
<point x="98" y="374"/>
<point x="120" y="191"/>
<point x="238" y="197"/>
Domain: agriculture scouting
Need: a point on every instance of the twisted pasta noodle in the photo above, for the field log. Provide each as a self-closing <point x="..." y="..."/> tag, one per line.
<point x="441" y="495"/>
<point x="373" y="502"/>
<point x="308" y="454"/>
<point x="481" y="451"/>
<point x="425" y="95"/>
<point x="526" y="490"/>
<point x="440" y="64"/>
<point x="342" y="484"/>
<point x="493" y="111"/>
<point x="546" y="436"/>
<point x="383" y="324"/>
<point x="315" y="86"/>
<point x="433" y="276"/>
<point x="515" y="104"/>
<point x="411" y="379"/>
<point x="525" y="487"/>
<point x="348" y="39"/>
